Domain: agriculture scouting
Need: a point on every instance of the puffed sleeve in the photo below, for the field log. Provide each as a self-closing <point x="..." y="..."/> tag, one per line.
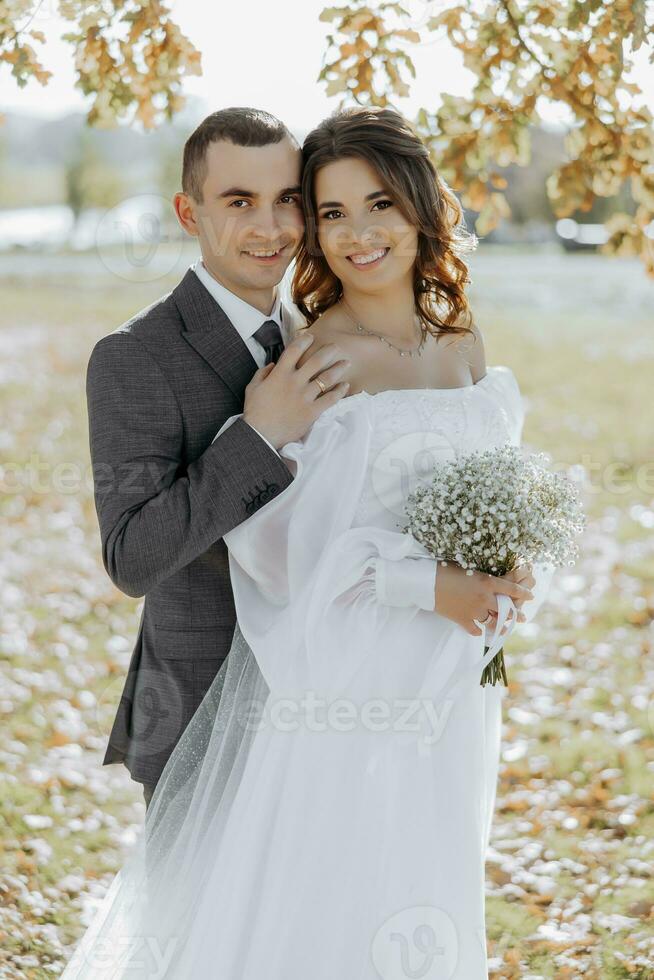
<point x="309" y="587"/>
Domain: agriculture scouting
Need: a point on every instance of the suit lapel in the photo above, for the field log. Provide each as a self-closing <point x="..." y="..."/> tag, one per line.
<point x="213" y="335"/>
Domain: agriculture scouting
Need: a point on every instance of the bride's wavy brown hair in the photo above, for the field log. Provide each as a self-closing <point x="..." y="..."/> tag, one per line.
<point x="384" y="139"/>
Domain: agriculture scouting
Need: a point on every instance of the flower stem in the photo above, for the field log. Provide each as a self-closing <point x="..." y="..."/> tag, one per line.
<point x="495" y="671"/>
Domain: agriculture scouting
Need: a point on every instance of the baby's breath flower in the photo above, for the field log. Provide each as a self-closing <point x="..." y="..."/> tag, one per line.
<point x="499" y="504"/>
<point x="489" y="511"/>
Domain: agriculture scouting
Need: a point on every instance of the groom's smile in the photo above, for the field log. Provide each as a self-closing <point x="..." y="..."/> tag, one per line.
<point x="268" y="256"/>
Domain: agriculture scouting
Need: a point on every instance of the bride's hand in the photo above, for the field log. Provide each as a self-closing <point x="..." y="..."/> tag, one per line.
<point x="523" y="575"/>
<point x="464" y="598"/>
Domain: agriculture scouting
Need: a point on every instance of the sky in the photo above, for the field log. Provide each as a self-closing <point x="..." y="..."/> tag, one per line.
<point x="267" y="55"/>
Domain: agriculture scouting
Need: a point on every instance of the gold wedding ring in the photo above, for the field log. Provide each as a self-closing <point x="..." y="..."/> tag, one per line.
<point x="322" y="385"/>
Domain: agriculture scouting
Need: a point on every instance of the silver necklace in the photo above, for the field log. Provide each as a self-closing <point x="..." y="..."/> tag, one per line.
<point x="361" y="329"/>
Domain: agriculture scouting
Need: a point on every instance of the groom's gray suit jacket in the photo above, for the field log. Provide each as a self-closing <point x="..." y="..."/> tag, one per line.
<point x="158" y="389"/>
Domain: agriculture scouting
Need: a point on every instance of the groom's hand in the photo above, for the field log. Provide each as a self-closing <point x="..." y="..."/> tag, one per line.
<point x="283" y="400"/>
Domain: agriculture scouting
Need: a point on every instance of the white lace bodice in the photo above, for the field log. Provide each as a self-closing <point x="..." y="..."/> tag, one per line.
<point x="415" y="429"/>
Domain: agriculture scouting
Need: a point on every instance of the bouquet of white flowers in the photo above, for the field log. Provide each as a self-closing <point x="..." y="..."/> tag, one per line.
<point x="493" y="510"/>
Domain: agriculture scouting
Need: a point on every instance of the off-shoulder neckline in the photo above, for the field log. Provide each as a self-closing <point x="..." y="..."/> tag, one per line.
<point x="439" y="391"/>
<point x="348" y="403"/>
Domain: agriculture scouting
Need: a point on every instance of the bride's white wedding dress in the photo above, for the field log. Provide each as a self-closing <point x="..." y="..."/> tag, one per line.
<point x="325" y="815"/>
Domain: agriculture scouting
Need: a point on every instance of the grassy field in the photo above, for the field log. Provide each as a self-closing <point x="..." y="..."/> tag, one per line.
<point x="570" y="889"/>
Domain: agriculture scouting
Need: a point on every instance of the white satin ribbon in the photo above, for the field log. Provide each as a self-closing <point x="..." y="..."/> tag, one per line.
<point x="507" y="613"/>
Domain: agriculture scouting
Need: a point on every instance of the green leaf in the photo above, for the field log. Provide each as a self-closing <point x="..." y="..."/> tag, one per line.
<point x="331" y="13"/>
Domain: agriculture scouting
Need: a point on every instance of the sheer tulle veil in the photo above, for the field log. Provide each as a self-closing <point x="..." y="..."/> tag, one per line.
<point x="137" y="930"/>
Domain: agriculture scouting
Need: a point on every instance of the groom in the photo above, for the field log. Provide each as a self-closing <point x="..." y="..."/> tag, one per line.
<point x="188" y="402"/>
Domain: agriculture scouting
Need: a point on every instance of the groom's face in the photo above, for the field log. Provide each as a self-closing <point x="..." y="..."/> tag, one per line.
<point x="250" y="221"/>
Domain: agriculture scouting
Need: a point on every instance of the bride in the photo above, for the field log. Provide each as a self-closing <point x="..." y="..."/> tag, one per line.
<point x="325" y="815"/>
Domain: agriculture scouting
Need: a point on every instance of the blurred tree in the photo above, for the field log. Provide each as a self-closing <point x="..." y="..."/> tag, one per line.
<point x="89" y="181"/>
<point x="129" y="55"/>
<point x="520" y="51"/>
<point x="169" y="162"/>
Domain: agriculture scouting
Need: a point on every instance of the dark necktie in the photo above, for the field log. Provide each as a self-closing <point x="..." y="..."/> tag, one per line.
<point x="270" y="337"/>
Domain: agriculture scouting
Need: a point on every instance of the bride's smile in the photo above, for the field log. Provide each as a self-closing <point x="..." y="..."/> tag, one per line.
<point x="365" y="260"/>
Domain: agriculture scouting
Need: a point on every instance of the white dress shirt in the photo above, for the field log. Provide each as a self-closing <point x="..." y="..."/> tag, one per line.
<point x="246" y="320"/>
<point x="407" y="582"/>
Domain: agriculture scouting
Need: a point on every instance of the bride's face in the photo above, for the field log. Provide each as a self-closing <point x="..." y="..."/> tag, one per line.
<point x="365" y="238"/>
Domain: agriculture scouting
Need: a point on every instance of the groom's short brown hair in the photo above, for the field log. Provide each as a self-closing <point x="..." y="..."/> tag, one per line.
<point x="238" y="124"/>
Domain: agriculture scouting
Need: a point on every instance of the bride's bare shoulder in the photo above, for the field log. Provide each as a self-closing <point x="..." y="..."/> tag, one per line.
<point x="470" y="346"/>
